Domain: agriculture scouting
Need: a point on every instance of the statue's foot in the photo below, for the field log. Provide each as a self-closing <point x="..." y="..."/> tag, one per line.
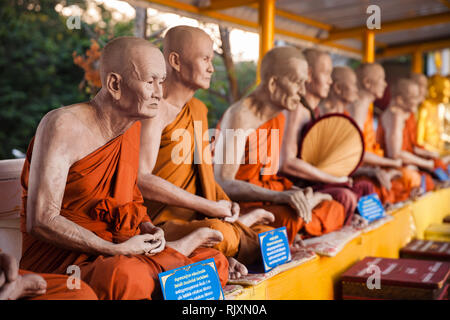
<point x="258" y="216"/>
<point x="236" y="269"/>
<point x="202" y="237"/>
<point x="298" y="244"/>
<point x="28" y="285"/>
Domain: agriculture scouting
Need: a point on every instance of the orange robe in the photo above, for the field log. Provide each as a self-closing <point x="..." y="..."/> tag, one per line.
<point x="408" y="143"/>
<point x="326" y="217"/>
<point x="195" y="175"/>
<point x="102" y="196"/>
<point x="410" y="140"/>
<point x="400" y="187"/>
<point x="57" y="288"/>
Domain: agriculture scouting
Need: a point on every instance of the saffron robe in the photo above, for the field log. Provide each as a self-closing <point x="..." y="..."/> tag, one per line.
<point x="409" y="140"/>
<point x="185" y="161"/>
<point x="326" y="217"/>
<point x="102" y="196"/>
<point x="400" y="187"/>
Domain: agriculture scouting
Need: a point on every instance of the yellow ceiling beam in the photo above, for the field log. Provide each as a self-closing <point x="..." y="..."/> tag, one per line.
<point x="245" y="23"/>
<point x="398" y="25"/>
<point x="297" y="18"/>
<point x="226" y="4"/>
<point x="413" y="47"/>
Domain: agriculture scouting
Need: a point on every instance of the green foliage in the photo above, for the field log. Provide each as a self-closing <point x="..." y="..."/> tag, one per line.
<point x="38" y="73"/>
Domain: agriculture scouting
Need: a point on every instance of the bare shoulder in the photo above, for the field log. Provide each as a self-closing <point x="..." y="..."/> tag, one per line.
<point x="64" y="122"/>
<point x="239" y="116"/>
<point x="392" y="119"/>
<point x="61" y="133"/>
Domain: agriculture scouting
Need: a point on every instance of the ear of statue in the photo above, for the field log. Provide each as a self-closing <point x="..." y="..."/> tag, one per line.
<point x="272" y="85"/>
<point x="400" y="101"/>
<point x="174" y="61"/>
<point x="113" y="82"/>
<point x="310" y="75"/>
<point x="337" y="89"/>
<point x="366" y="83"/>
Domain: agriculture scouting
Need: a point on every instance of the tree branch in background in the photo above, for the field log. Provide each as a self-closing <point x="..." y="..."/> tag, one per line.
<point x="218" y="94"/>
<point x="140" y="22"/>
<point x="234" y="94"/>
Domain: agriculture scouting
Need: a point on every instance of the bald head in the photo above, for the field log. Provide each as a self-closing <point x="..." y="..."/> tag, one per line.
<point x="406" y="94"/>
<point x="342" y="74"/>
<point x="422" y="82"/>
<point x="132" y="71"/>
<point x="313" y="56"/>
<point x="345" y="84"/>
<point x="189" y="55"/>
<point x="126" y="56"/>
<point x="278" y="62"/>
<point x="320" y="68"/>
<point x="371" y="78"/>
<point x="368" y="70"/>
<point x="184" y="40"/>
<point x="404" y="86"/>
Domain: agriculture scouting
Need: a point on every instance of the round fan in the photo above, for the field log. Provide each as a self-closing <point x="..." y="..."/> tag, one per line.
<point x="333" y="144"/>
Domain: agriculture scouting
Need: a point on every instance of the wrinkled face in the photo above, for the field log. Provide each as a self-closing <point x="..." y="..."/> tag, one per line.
<point x="141" y="88"/>
<point x="411" y="98"/>
<point x="378" y="83"/>
<point x="349" y="88"/>
<point x="196" y="66"/>
<point x="289" y="88"/>
<point x="320" y="81"/>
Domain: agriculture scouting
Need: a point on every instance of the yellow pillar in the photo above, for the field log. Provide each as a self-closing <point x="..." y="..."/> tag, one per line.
<point x="266" y="29"/>
<point x="369" y="51"/>
<point x="417" y="62"/>
<point x="369" y="46"/>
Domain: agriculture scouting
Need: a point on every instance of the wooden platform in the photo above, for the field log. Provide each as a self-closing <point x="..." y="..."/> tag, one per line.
<point x="318" y="279"/>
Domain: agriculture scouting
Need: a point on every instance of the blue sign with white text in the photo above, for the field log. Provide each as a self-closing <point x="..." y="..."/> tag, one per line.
<point x="274" y="246"/>
<point x="441" y="174"/>
<point x="370" y="207"/>
<point x="196" y="281"/>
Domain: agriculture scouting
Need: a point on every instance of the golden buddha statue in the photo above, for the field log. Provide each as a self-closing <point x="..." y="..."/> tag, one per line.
<point x="434" y="116"/>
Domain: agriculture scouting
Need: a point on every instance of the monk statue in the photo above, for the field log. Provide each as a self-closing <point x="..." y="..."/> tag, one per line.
<point x="20" y="284"/>
<point x="343" y="91"/>
<point x="175" y="171"/>
<point x="247" y="160"/>
<point x="299" y="171"/>
<point x="435" y="99"/>
<point x="81" y="204"/>
<point x="391" y="180"/>
<point x="396" y="131"/>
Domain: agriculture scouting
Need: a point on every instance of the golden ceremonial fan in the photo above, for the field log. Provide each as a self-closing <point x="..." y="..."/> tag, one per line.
<point x="333" y="144"/>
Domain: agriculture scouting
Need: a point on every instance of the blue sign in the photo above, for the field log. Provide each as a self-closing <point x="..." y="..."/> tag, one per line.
<point x="196" y="281"/>
<point x="423" y="183"/>
<point x="274" y="246"/>
<point x="370" y="207"/>
<point x="441" y="174"/>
